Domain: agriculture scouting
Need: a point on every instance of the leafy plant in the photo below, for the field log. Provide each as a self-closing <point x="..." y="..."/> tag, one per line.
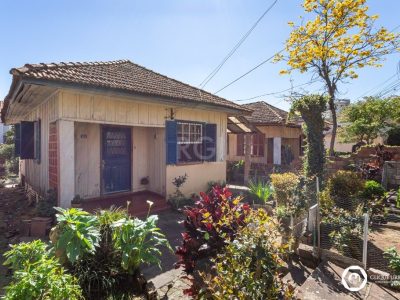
<point x="398" y="198"/>
<point x="178" y="197"/>
<point x="139" y="242"/>
<point x="260" y="191"/>
<point x="284" y="186"/>
<point x="38" y="275"/>
<point x="45" y="206"/>
<point x="394" y="260"/>
<point x="248" y="268"/>
<point x="77" y="233"/>
<point x="372" y="190"/>
<point x="344" y="188"/>
<point x="214" y="219"/>
<point x="23" y="255"/>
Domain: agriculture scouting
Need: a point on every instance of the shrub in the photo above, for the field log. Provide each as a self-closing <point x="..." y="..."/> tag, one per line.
<point x="77" y="233"/>
<point x="178" y="197"/>
<point x="394" y="260"/>
<point x="260" y="191"/>
<point x="248" y="268"/>
<point x="393" y="136"/>
<point x="214" y="219"/>
<point x="284" y="187"/>
<point x="139" y="242"/>
<point x="38" y="275"/>
<point x="394" y="264"/>
<point x="372" y="190"/>
<point x="344" y="189"/>
<point x="45" y="206"/>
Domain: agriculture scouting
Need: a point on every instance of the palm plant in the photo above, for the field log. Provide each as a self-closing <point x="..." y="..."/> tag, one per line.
<point x="260" y="190"/>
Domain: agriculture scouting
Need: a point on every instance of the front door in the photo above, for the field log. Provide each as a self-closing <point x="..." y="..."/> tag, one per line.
<point x="116" y="159"/>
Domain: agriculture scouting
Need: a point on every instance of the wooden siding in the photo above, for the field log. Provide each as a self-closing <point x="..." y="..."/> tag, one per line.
<point x="87" y="160"/>
<point x="37" y="172"/>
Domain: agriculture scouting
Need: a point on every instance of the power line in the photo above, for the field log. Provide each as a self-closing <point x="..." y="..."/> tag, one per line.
<point x="377" y="86"/>
<point x="248" y="72"/>
<point x="241" y="41"/>
<point x="280" y="92"/>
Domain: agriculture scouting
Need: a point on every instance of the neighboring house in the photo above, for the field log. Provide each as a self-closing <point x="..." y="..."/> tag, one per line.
<point x="274" y="140"/>
<point x="99" y="129"/>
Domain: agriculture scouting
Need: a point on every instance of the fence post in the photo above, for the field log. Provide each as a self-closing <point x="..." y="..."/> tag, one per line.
<point x="318" y="221"/>
<point x="365" y="240"/>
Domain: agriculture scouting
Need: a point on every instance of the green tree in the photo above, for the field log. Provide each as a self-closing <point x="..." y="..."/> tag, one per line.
<point x="338" y="39"/>
<point x="366" y="119"/>
<point x="7" y="152"/>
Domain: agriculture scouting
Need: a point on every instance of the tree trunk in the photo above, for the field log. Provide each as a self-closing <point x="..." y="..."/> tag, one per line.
<point x="334" y="123"/>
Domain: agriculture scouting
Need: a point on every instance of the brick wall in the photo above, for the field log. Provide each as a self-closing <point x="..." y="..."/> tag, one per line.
<point x="53" y="156"/>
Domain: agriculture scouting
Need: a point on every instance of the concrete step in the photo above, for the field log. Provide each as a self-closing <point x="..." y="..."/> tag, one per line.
<point x="325" y="284"/>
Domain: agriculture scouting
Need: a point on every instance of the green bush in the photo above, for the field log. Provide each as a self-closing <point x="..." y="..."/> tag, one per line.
<point x="45" y="206"/>
<point x="344" y="189"/>
<point x="248" y="268"/>
<point x="139" y="242"/>
<point x="38" y="275"/>
<point x="394" y="264"/>
<point x="260" y="191"/>
<point x="77" y="233"/>
<point x="372" y="190"/>
<point x="284" y="187"/>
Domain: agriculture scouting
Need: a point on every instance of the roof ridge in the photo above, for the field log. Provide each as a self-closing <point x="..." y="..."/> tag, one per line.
<point x="271" y="108"/>
<point x="42" y="66"/>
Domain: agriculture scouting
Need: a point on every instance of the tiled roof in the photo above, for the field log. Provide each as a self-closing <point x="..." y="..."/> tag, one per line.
<point x="264" y="113"/>
<point x="122" y="75"/>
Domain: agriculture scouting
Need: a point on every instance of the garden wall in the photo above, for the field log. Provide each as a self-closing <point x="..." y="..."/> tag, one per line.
<point x="366" y="154"/>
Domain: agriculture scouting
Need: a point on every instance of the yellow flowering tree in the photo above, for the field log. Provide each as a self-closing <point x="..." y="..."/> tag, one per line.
<point x="338" y="39"/>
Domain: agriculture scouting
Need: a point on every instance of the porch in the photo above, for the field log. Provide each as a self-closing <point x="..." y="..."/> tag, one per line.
<point x="138" y="203"/>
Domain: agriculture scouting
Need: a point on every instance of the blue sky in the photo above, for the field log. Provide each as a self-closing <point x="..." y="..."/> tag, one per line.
<point x="183" y="39"/>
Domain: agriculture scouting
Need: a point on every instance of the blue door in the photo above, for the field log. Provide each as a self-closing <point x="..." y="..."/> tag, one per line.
<point x="116" y="159"/>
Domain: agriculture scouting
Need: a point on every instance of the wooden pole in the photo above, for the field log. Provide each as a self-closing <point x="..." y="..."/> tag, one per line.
<point x="365" y="240"/>
<point x="247" y="157"/>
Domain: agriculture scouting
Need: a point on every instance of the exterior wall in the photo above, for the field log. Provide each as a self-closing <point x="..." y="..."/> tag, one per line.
<point x="198" y="176"/>
<point x="86" y="112"/>
<point x="36" y="173"/>
<point x="290" y="136"/>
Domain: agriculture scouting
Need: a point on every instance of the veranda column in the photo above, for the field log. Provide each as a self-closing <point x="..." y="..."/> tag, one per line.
<point x="277" y="150"/>
<point x="66" y="142"/>
<point x="247" y="157"/>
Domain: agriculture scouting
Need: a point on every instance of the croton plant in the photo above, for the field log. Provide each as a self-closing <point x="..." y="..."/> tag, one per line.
<point x="210" y="224"/>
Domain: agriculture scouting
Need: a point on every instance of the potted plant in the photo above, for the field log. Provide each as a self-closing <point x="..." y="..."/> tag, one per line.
<point x="76" y="202"/>
<point x="45" y="212"/>
<point x="260" y="193"/>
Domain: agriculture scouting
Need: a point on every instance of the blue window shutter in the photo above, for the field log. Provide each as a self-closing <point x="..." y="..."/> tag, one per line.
<point x="17" y="140"/>
<point x="210" y="142"/>
<point x="27" y="140"/>
<point x="171" y="141"/>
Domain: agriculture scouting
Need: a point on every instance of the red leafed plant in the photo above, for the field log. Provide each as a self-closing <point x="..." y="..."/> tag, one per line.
<point x="210" y="224"/>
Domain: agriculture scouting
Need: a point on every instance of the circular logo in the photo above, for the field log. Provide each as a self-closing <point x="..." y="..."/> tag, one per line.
<point x="352" y="280"/>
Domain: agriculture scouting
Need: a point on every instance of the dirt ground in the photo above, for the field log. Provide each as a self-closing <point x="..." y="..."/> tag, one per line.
<point x="14" y="207"/>
<point x="380" y="239"/>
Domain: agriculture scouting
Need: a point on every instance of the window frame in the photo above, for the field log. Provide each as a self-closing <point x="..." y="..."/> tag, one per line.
<point x="194" y="138"/>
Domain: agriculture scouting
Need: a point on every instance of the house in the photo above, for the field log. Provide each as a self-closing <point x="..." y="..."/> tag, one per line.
<point x="110" y="128"/>
<point x="273" y="140"/>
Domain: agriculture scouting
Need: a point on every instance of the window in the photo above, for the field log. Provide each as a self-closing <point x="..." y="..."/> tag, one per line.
<point x="256" y="144"/>
<point x="189" y="140"/>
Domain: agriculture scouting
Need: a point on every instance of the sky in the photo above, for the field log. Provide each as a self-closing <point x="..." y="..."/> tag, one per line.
<point x="183" y="39"/>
